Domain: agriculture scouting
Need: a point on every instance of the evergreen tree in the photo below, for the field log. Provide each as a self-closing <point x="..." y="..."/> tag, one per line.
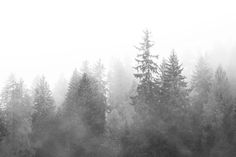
<point x="59" y="91"/>
<point x="18" y="107"/>
<point x="173" y="84"/>
<point x="201" y="81"/>
<point x="219" y="116"/>
<point x="70" y="103"/>
<point x="85" y="67"/>
<point x="201" y="85"/>
<point x="92" y="105"/>
<point x="223" y="99"/>
<point x="121" y="86"/>
<point x="3" y="127"/>
<point x="147" y="70"/>
<point x="44" y="108"/>
<point x="174" y="99"/>
<point x="99" y="75"/>
<point x="43" y="100"/>
<point x="72" y="127"/>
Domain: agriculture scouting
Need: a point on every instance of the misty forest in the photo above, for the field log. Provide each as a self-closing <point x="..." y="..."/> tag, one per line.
<point x="150" y="109"/>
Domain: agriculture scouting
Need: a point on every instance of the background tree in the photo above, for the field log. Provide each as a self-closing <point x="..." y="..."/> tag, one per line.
<point x="44" y="112"/>
<point x="18" y="119"/>
<point x="70" y="102"/>
<point x="201" y="85"/>
<point x="92" y="103"/>
<point x="220" y="115"/>
<point x="121" y="85"/>
<point x="59" y="91"/>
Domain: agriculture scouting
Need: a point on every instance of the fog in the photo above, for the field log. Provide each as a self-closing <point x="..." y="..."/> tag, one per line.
<point x="73" y="77"/>
<point x="62" y="34"/>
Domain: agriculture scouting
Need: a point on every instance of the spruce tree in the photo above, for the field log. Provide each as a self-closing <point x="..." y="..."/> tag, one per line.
<point x="174" y="91"/>
<point x="147" y="70"/>
<point x="85" y="67"/>
<point x="59" y="91"/>
<point x="99" y="75"/>
<point x="223" y="99"/>
<point x="3" y="127"/>
<point x="173" y="82"/>
<point x="201" y="82"/>
<point x="44" y="106"/>
<point x="92" y="104"/>
<point x="201" y="85"/>
<point x="70" y="104"/>
<point x="18" y="108"/>
<point x="164" y="84"/>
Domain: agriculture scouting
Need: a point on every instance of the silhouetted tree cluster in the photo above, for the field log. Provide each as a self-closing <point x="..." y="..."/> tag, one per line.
<point x="148" y="111"/>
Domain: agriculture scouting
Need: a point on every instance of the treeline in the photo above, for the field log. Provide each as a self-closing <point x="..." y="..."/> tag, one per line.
<point x="155" y="113"/>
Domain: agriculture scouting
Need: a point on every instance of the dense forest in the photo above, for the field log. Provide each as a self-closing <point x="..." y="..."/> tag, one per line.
<point x="148" y="111"/>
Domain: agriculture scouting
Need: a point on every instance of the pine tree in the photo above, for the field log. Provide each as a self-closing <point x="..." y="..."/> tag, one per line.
<point x="59" y="91"/>
<point x="92" y="105"/>
<point x="223" y="98"/>
<point x="219" y="115"/>
<point x="164" y="84"/>
<point x="44" y="107"/>
<point x="201" y="85"/>
<point x="121" y="86"/>
<point x="43" y="100"/>
<point x="70" y="103"/>
<point x="222" y="88"/>
<point x="99" y="75"/>
<point x="3" y="127"/>
<point x="85" y="67"/>
<point x="202" y="81"/>
<point x="147" y="70"/>
<point x="173" y="84"/>
<point x="18" y="108"/>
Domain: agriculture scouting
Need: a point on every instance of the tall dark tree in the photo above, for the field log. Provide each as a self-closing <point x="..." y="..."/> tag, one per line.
<point x="173" y="84"/>
<point x="147" y="70"/>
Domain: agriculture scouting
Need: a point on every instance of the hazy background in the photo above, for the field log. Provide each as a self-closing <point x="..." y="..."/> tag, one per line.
<point x="52" y="37"/>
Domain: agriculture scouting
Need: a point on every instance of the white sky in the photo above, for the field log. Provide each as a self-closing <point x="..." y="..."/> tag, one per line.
<point x="54" y="36"/>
